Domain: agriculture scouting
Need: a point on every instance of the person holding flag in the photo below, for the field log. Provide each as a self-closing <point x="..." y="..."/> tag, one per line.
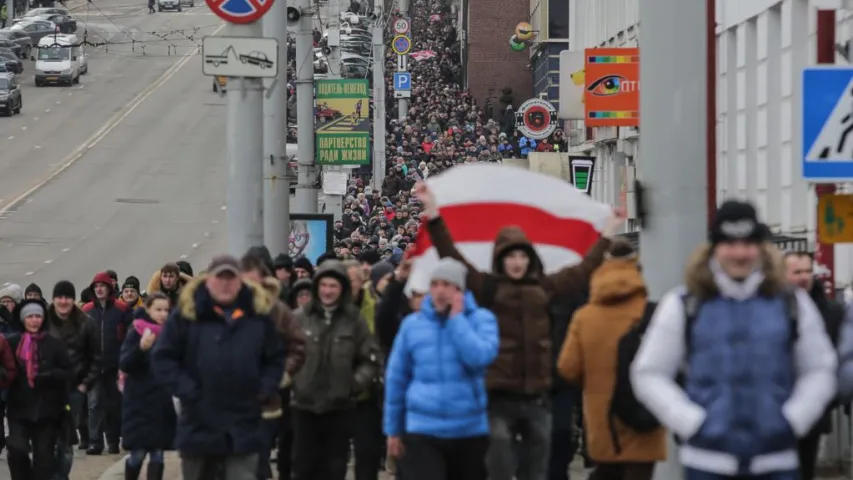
<point x="533" y="236"/>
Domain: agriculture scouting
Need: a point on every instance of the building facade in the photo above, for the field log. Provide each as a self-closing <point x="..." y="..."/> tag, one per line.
<point x="762" y="47"/>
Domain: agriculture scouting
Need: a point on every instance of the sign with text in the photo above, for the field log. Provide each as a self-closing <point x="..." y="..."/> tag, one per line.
<point x="612" y="87"/>
<point x="343" y="122"/>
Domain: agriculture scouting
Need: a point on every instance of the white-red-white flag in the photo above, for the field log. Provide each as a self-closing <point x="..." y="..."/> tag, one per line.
<point x="477" y="200"/>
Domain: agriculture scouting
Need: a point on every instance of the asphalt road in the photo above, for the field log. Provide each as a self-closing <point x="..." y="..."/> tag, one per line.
<point x="124" y="171"/>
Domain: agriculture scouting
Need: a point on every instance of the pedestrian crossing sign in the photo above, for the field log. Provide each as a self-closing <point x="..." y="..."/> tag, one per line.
<point x="827" y="98"/>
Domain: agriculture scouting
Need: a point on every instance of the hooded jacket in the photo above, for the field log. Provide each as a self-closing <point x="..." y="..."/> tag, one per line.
<point x="342" y="358"/>
<point x="588" y="358"/>
<point x="525" y="362"/>
<point x="154" y="285"/>
<point x="80" y="335"/>
<point x="112" y="319"/>
<point x="221" y="371"/>
<point x="752" y="386"/>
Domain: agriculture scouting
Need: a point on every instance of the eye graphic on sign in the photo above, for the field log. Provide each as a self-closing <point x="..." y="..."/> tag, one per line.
<point x="606" y="86"/>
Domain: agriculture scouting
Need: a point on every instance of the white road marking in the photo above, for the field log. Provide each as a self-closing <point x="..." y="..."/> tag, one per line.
<point x="23" y="128"/>
<point x="29" y="273"/>
<point x="183" y="256"/>
<point x="69" y="94"/>
<point x="37" y="147"/>
<point x="29" y="200"/>
<point x="223" y="207"/>
<point x="48" y="262"/>
<point x="65" y="250"/>
<point x="109" y="126"/>
<point x="206" y="234"/>
<point x="195" y="245"/>
<point x="215" y="222"/>
<point x="58" y="102"/>
<point x="35" y="119"/>
<point x="47" y="110"/>
<point x="12" y="137"/>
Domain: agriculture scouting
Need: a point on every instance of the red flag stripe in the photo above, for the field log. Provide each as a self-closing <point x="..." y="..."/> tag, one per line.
<point x="481" y="222"/>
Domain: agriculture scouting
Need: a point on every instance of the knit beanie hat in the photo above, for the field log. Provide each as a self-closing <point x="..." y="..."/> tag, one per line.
<point x="32" y="308"/>
<point x="378" y="271"/>
<point x="451" y="271"/>
<point x="64" y="289"/>
<point x="304" y="264"/>
<point x="12" y="291"/>
<point x="736" y="220"/>
<point x="131" y="282"/>
<point x="283" y="261"/>
<point x="185" y="267"/>
<point x="33" y="288"/>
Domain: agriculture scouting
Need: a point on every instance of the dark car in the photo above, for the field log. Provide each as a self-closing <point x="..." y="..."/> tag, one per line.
<point x="65" y="23"/>
<point x="22" y="41"/>
<point x="37" y="12"/>
<point x="11" y="100"/>
<point x="36" y="29"/>
<point x="13" y="63"/>
<point x="10" y="45"/>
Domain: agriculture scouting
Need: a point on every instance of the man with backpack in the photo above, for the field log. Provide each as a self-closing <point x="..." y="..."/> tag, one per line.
<point x="593" y="357"/>
<point x="799" y="271"/>
<point x="757" y="366"/>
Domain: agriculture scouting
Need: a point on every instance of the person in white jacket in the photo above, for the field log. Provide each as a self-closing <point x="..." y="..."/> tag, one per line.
<point x="757" y="366"/>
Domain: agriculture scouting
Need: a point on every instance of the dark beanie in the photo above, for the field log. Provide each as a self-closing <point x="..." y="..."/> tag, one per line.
<point x="326" y="256"/>
<point x="304" y="264"/>
<point x="131" y="282"/>
<point x="378" y="271"/>
<point x="737" y="221"/>
<point x="185" y="267"/>
<point x="370" y="257"/>
<point x="261" y="255"/>
<point x="113" y="275"/>
<point x="283" y="261"/>
<point x="33" y="288"/>
<point x="64" y="288"/>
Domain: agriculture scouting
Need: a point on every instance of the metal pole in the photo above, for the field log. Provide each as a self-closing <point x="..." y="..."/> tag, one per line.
<point x="334" y="39"/>
<point x="306" y="192"/>
<point x="378" y="99"/>
<point x="403" y="103"/>
<point x="245" y="151"/>
<point x="711" y="101"/>
<point x="674" y="128"/>
<point x="276" y="184"/>
<point x="825" y="253"/>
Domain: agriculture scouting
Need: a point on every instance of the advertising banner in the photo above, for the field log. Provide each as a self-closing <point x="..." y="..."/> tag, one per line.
<point x="343" y="122"/>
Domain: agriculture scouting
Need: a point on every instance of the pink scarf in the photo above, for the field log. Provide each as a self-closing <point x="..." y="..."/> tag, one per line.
<point x="140" y="326"/>
<point x="28" y="352"/>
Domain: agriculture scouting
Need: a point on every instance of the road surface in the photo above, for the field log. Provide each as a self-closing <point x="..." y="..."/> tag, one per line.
<point x="125" y="171"/>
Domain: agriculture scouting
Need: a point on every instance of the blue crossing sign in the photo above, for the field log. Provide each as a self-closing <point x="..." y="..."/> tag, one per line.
<point x="402" y="81"/>
<point x="828" y="123"/>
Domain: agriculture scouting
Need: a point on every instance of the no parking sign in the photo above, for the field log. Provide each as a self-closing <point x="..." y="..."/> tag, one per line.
<point x="240" y="11"/>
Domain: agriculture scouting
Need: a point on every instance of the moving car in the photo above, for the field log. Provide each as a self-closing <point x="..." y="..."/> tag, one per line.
<point x="36" y="29"/>
<point x="58" y="60"/>
<point x="11" y="100"/>
<point x="325" y="114"/>
<point x="23" y="44"/>
<point x="169" y="5"/>
<point x="65" y="23"/>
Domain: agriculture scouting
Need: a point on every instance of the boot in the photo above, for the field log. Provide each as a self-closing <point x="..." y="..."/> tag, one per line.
<point x="155" y="471"/>
<point x="131" y="472"/>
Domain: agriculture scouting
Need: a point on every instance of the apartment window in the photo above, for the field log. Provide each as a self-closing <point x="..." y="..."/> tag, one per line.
<point x="558" y="19"/>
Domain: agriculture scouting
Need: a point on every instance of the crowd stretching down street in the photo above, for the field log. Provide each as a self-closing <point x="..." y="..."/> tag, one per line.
<point x="467" y="374"/>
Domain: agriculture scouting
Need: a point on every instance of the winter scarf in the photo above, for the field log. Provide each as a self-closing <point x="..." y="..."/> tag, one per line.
<point x="140" y="325"/>
<point x="28" y="353"/>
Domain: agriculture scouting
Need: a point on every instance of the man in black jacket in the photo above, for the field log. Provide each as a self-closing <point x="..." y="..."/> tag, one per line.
<point x="67" y="322"/>
<point x="799" y="270"/>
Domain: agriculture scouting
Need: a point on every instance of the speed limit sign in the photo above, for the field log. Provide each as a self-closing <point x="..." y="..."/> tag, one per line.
<point x="401" y="26"/>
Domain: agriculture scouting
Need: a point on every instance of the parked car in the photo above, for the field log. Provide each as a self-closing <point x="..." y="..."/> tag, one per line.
<point x="37" y="12"/>
<point x="11" y="100"/>
<point x="189" y="3"/>
<point x="36" y="29"/>
<point x="65" y="23"/>
<point x="15" y="48"/>
<point x="13" y="63"/>
<point x="23" y="43"/>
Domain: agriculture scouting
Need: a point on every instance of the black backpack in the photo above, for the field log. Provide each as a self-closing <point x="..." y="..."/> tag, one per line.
<point x="623" y="404"/>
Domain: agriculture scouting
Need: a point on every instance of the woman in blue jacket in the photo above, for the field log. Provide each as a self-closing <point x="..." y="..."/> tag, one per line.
<point x="148" y="414"/>
<point x="435" y="394"/>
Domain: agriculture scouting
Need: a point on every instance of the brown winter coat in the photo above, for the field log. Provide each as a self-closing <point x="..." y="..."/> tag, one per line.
<point x="524" y="363"/>
<point x="588" y="358"/>
<point x="155" y="286"/>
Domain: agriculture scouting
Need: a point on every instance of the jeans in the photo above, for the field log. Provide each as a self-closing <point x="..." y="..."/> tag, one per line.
<point x="320" y="444"/>
<point x="234" y="467"/>
<point x="40" y="437"/>
<point x="367" y="439"/>
<point x="65" y="442"/>
<point x="269" y="430"/>
<point x="105" y="412"/>
<point x="511" y="416"/>
<point x="137" y="456"/>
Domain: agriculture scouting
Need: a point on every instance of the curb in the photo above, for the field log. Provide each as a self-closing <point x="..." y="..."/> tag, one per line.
<point x="116" y="470"/>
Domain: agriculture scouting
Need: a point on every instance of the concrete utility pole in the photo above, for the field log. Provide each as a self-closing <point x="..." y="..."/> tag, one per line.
<point x="673" y="120"/>
<point x="403" y="103"/>
<point x="276" y="184"/>
<point x="306" y="191"/>
<point x="334" y="203"/>
<point x="245" y="153"/>
<point x="378" y="98"/>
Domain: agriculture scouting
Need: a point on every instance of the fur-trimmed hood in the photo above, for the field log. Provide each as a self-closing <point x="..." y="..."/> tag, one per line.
<point x="194" y="296"/>
<point x="154" y="283"/>
<point x="699" y="279"/>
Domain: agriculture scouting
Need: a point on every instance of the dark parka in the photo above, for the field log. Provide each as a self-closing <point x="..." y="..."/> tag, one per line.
<point x="342" y="357"/>
<point x="221" y="372"/>
<point x="81" y="337"/>
<point x="46" y="400"/>
<point x="392" y="309"/>
<point x="112" y="319"/>
<point x="522" y="307"/>
<point x="832" y="314"/>
<point x="147" y="415"/>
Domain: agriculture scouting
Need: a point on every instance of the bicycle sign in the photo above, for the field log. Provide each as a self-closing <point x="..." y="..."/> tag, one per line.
<point x="401" y="44"/>
<point x="240" y="11"/>
<point x="401" y="26"/>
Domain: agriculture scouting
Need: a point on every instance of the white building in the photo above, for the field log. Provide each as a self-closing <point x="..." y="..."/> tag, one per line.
<point x="762" y="47"/>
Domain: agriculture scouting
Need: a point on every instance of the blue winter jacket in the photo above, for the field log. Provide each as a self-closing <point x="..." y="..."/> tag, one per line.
<point x="435" y="378"/>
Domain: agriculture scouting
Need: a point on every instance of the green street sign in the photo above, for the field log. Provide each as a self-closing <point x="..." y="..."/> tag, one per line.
<point x="343" y="122"/>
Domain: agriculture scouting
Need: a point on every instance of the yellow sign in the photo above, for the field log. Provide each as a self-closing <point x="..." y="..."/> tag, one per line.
<point x="835" y="219"/>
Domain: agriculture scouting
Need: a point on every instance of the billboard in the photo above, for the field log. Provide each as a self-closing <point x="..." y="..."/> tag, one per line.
<point x="310" y="235"/>
<point x="612" y="87"/>
<point x="343" y="122"/>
